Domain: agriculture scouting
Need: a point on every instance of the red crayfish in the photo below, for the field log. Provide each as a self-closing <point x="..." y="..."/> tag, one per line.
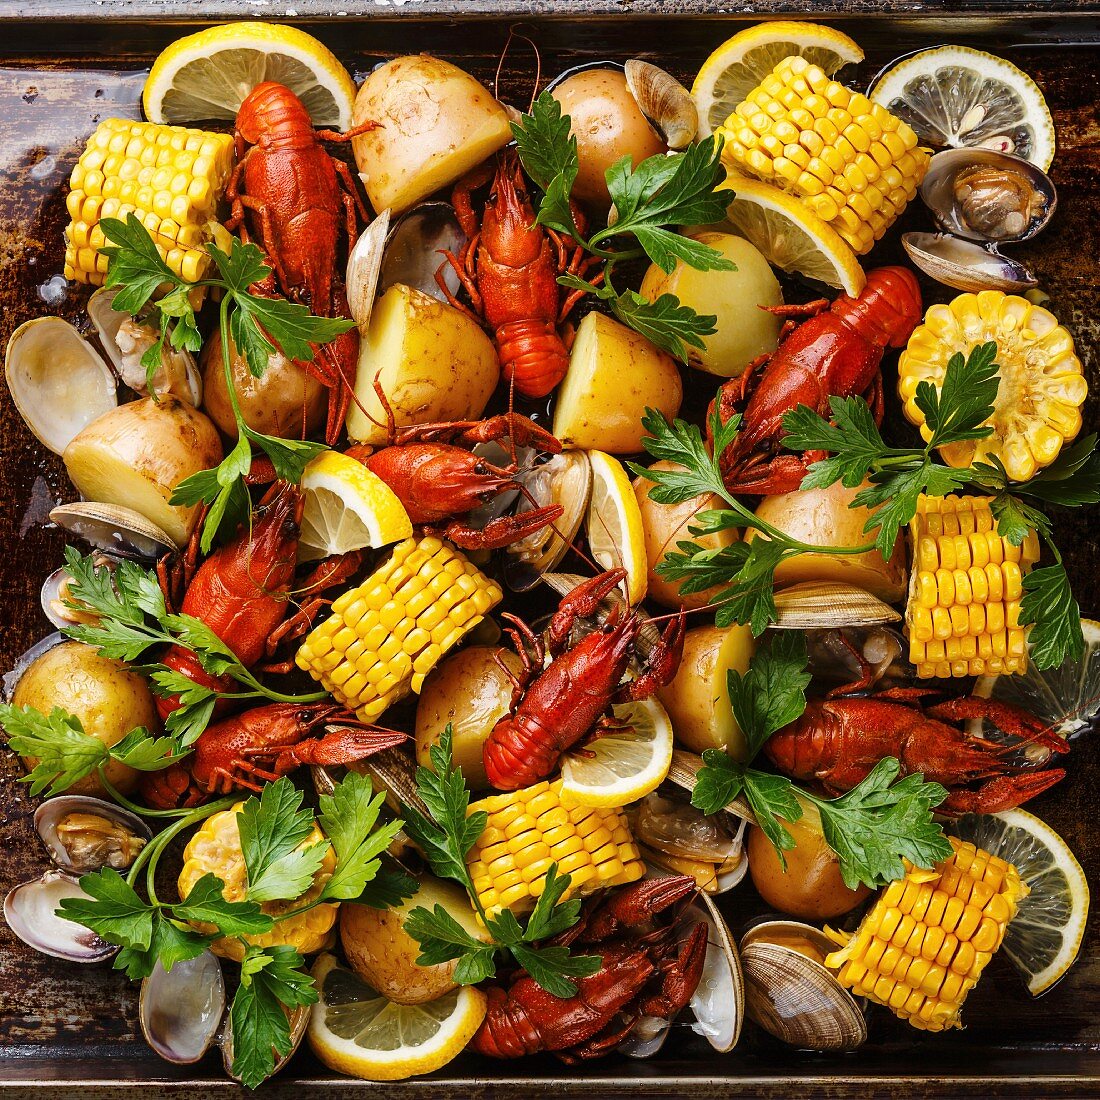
<point x="838" y="741"/>
<point x="299" y="198"/>
<point x="552" y="708"/>
<point x="644" y="973"/>
<point x="836" y="353"/>
<point x="509" y="267"/>
<point x="261" y="745"/>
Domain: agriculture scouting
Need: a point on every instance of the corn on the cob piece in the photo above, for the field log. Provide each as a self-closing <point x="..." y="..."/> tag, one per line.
<point x="851" y="161"/>
<point x="924" y="943"/>
<point x="963" y="615"/>
<point x="533" y="827"/>
<point x="385" y="636"/>
<point x="171" y="177"/>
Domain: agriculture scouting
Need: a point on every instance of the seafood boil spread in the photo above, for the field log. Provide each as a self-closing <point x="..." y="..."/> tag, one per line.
<point x="509" y="606"/>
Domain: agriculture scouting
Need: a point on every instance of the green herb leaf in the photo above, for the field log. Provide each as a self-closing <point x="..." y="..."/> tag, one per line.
<point x="1055" y="618"/>
<point x="206" y="902"/>
<point x="442" y="938"/>
<point x="958" y="409"/>
<point x="136" y="265"/>
<point x="683" y="444"/>
<point x="773" y="800"/>
<point x="546" y="148"/>
<point x="772" y="693"/>
<point x="171" y="943"/>
<point x="387" y="889"/>
<point x="551" y="915"/>
<point x="140" y="750"/>
<point x="113" y="910"/>
<point x="65" y="754"/>
<point x="552" y="967"/>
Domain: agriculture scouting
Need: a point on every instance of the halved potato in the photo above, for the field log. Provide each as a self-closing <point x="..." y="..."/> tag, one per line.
<point x="137" y="454"/>
<point x="614" y="373"/>
<point x="433" y="362"/>
<point x="436" y="123"/>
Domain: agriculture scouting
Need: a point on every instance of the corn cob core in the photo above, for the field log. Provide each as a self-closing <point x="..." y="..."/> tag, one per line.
<point x="171" y="177"/>
<point x="535" y="826"/>
<point x="852" y="162"/>
<point x="924" y="944"/>
<point x="385" y="636"/>
<point x="1037" y="407"/>
<point x="216" y="849"/>
<point x="963" y="616"/>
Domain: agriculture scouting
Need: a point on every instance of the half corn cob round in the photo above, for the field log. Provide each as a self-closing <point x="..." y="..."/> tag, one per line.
<point x="851" y="161"/>
<point x="963" y="615"/>
<point x="171" y="177"/>
<point x="925" y="942"/>
<point x="535" y="826"/>
<point x="385" y="636"/>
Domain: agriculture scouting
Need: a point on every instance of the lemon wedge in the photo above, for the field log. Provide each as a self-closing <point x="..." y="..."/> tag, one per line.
<point x="208" y="75"/>
<point x="1043" y="939"/>
<point x="614" y="524"/>
<point x="622" y="765"/>
<point x="347" y="508"/>
<point x="791" y="236"/>
<point x="741" y="62"/>
<point x="356" y="1031"/>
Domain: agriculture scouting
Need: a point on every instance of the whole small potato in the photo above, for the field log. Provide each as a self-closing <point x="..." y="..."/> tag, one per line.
<point x="811" y="887"/>
<point x="469" y="690"/>
<point x="667" y="524"/>
<point x="105" y="695"/>
<point x="823" y="517"/>
<point x="283" y="402"/>
<point x="697" y="699"/>
<point x="745" y="331"/>
<point x="608" y="125"/>
<point x="384" y="955"/>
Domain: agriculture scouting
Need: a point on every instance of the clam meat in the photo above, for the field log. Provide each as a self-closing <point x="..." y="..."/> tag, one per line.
<point x="56" y="596"/>
<point x="30" y="911"/>
<point x="85" y="834"/>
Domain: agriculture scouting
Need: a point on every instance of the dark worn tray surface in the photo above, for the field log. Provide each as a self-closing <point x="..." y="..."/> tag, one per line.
<point x="68" y="1030"/>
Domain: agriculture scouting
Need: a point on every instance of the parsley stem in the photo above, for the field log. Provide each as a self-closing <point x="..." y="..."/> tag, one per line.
<point x="227" y="363"/>
<point x="133" y="807"/>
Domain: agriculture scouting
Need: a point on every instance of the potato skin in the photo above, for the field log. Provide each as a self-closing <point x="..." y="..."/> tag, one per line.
<point x="105" y="695"/>
<point x="273" y="404"/>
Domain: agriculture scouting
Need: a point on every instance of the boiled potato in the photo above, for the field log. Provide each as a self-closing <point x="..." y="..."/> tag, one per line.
<point x="383" y="954"/>
<point x="137" y="454"/>
<point x="696" y="699"/>
<point x="433" y="362"/>
<point x="745" y="331"/>
<point x="811" y="887"/>
<point x="105" y="695"/>
<point x="614" y="373"/>
<point x="667" y="524"/>
<point x="436" y="123"/>
<point x="608" y="125"/>
<point x="283" y="402"/>
<point x="470" y="691"/>
<point x="823" y="517"/>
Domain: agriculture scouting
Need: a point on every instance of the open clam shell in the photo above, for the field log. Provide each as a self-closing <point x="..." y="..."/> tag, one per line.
<point x="181" y="1010"/>
<point x="57" y="381"/>
<point x="364" y="268"/>
<point x="85" y="834"/>
<point x="718" y="1002"/>
<point x="415" y="246"/>
<point x="114" y="529"/>
<point x="791" y="995"/>
<point x="55" y="592"/>
<point x="299" y="1022"/>
<point x="820" y="604"/>
<point x="683" y="772"/>
<point x="966" y="265"/>
<point x="30" y="911"/>
<point x="394" y="772"/>
<point x="665" y="102"/>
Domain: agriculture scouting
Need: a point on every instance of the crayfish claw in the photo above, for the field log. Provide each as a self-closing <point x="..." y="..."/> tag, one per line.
<point x="1004" y="793"/>
<point x="637" y="904"/>
<point x="1006" y="717"/>
<point x="503" y="530"/>
<point x="681" y="976"/>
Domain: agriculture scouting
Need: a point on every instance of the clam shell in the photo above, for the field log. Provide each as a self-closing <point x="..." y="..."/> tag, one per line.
<point x="57" y="381"/>
<point x="113" y="528"/>
<point x="795" y="998"/>
<point x="52" y="605"/>
<point x="299" y="1022"/>
<point x="364" y="268"/>
<point x="394" y="772"/>
<point x="30" y="912"/>
<point x="820" y="604"/>
<point x="683" y="771"/>
<point x="27" y="659"/>
<point x="180" y="1010"/>
<point x="965" y="265"/>
<point x="414" y="249"/>
<point x="646" y="1037"/>
<point x="51" y="812"/>
<point x="582" y="68"/>
<point x="665" y="102"/>
<point x="718" y="1002"/>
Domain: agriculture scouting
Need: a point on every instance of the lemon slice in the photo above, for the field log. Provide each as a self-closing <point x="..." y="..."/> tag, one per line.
<point x="356" y="1031"/>
<point x="347" y="508"/>
<point x="1066" y="698"/>
<point x="791" y="236"/>
<point x="207" y="75"/>
<point x="1043" y="939"/>
<point x="958" y="96"/>
<point x="623" y="765"/>
<point x="614" y="524"/>
<point x="741" y="62"/>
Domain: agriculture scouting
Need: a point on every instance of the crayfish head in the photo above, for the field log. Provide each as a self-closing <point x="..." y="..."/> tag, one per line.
<point x="272" y="111"/>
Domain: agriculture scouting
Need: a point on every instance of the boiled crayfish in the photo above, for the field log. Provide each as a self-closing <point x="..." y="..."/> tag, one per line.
<point x="553" y="708"/>
<point x="647" y="970"/>
<point x="834" y="354"/>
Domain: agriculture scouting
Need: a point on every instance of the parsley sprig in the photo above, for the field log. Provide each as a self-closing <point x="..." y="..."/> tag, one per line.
<point x="445" y="837"/>
<point x="258" y="326"/>
<point x="871" y="828"/>
<point x="661" y="192"/>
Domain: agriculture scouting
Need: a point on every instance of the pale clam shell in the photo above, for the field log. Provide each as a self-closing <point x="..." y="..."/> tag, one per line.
<point x="665" y="102"/>
<point x="114" y="529"/>
<point x="414" y="250"/>
<point x="718" y="1002"/>
<point x="820" y="604"/>
<point x="181" y="1010"/>
<point x="683" y="772"/>
<point x="30" y="911"/>
<point x="966" y="265"/>
<point x="363" y="270"/>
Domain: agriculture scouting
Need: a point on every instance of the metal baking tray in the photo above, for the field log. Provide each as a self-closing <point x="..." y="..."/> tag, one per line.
<point x="64" y="64"/>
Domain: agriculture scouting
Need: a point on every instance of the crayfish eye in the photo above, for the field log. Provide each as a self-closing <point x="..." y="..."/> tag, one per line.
<point x="481" y="469"/>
